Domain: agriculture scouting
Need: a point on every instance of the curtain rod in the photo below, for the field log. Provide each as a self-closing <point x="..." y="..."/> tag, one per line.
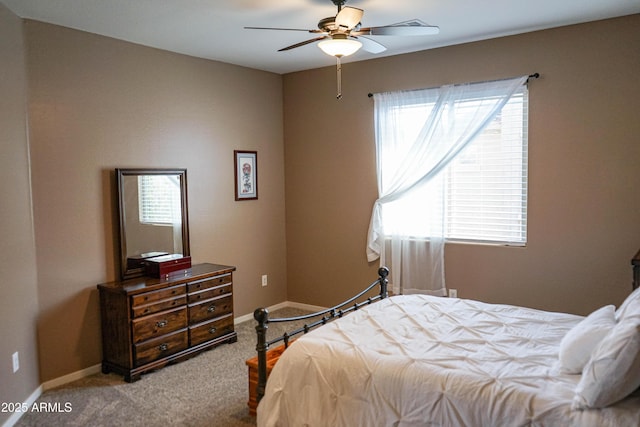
<point x="531" y="76"/>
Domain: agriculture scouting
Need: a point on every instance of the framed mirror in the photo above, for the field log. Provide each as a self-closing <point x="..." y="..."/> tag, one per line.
<point x="153" y="216"/>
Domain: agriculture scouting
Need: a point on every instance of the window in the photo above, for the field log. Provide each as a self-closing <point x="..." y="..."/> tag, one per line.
<point x="485" y="186"/>
<point x="157" y="196"/>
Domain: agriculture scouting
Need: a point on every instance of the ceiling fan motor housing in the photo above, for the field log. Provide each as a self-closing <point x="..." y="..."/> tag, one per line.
<point x="328" y="24"/>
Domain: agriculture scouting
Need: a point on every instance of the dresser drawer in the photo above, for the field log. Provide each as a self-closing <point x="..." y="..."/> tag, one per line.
<point x="154" y="307"/>
<point x="210" y="309"/>
<point x="210" y="282"/>
<point x="158" y="324"/>
<point x="162" y="294"/>
<point x="210" y="330"/>
<point x="161" y="347"/>
<point x="209" y="293"/>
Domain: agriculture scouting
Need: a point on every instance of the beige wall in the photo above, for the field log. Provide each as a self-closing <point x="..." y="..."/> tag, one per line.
<point x="97" y="104"/>
<point x="584" y="166"/>
<point x="18" y="287"/>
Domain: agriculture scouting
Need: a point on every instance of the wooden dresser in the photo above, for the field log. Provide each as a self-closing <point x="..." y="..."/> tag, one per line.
<point x="150" y="322"/>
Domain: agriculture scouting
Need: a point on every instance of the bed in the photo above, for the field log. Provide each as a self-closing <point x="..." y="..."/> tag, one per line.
<point x="416" y="360"/>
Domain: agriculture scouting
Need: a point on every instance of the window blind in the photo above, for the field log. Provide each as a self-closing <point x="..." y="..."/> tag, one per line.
<point x="155" y="197"/>
<point x="485" y="196"/>
<point x="487" y="183"/>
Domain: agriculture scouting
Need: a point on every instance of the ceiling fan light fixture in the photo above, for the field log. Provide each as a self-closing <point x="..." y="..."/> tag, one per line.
<point x="339" y="47"/>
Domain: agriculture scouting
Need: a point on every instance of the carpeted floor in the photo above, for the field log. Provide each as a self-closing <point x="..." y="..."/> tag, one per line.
<point x="207" y="390"/>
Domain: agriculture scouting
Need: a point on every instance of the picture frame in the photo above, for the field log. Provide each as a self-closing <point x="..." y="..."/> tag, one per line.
<point x="246" y="174"/>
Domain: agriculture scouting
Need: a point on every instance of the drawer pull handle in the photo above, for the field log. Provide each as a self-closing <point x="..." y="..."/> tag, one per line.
<point x="163" y="347"/>
<point x="211" y="309"/>
<point x="212" y="330"/>
<point x="161" y="324"/>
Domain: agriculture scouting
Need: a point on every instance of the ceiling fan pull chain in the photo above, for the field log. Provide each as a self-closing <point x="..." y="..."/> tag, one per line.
<point x="339" y="77"/>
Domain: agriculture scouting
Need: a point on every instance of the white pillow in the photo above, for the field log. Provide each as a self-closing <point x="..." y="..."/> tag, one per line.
<point x="579" y="342"/>
<point x="613" y="372"/>
<point x="633" y="299"/>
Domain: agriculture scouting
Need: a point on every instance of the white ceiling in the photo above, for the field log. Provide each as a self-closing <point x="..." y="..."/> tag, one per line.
<point x="213" y="29"/>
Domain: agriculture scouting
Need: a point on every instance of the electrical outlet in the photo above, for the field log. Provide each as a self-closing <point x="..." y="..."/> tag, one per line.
<point x="16" y="362"/>
<point x="453" y="293"/>
<point x="264" y="280"/>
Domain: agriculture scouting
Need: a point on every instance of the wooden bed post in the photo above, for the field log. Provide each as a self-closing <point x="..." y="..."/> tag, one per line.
<point x="262" y="317"/>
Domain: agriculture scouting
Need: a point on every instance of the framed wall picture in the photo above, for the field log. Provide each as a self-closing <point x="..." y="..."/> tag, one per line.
<point x="246" y="174"/>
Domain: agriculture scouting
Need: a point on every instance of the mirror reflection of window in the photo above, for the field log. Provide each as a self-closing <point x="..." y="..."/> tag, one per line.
<point x="159" y="199"/>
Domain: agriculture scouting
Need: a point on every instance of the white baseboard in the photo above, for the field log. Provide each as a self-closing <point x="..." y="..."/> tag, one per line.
<point x="56" y="382"/>
<point x="250" y="315"/>
<point x="302" y="306"/>
<point x="13" y="419"/>
<point x="285" y="304"/>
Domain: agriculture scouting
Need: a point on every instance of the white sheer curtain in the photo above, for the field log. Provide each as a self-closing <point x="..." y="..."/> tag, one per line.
<point x="409" y="161"/>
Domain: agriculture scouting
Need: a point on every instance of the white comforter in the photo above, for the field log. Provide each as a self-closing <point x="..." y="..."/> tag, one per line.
<point x="430" y="361"/>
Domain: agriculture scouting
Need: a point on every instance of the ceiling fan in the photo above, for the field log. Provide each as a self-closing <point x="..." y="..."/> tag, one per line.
<point x="343" y="34"/>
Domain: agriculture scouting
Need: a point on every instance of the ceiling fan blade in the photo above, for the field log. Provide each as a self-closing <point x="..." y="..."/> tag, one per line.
<point x="371" y="46"/>
<point x="401" y="30"/>
<point x="293" y="46"/>
<point x="349" y="17"/>
<point x="284" y="29"/>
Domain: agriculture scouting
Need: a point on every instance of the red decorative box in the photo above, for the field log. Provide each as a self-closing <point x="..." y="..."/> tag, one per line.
<point x="137" y="261"/>
<point x="161" y="266"/>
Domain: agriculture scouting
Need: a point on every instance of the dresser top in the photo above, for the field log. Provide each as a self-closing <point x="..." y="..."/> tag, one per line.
<point x="144" y="284"/>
